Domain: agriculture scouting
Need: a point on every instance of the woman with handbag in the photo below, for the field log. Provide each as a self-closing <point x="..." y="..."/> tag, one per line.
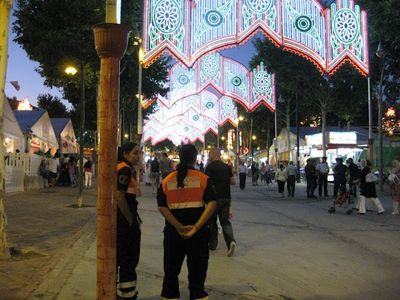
<point x="367" y="188"/>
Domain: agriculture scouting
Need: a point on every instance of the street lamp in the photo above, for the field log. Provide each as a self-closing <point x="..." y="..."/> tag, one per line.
<point x="140" y="117"/>
<point x="252" y="140"/>
<point x="240" y="119"/>
<point x="72" y="71"/>
<point x="380" y="53"/>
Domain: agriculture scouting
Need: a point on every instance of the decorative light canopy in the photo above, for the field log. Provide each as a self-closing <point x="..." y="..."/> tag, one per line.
<point x="189" y="118"/>
<point x="190" y="29"/>
<point x="228" y="77"/>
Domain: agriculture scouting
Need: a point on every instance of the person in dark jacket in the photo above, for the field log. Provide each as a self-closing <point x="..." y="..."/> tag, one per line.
<point x="186" y="199"/>
<point x="354" y="172"/>
<point x="221" y="177"/>
<point x="311" y="178"/>
<point x="368" y="188"/>
<point x="128" y="221"/>
<point x="339" y="176"/>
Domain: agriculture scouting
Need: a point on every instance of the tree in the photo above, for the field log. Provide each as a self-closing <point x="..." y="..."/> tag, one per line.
<point x="56" y="39"/>
<point x="320" y="94"/>
<point x="53" y="106"/>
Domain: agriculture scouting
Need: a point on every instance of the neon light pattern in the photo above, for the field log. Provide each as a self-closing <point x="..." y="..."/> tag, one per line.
<point x="327" y="37"/>
<point x="348" y="35"/>
<point x="228" y="77"/>
<point x="188" y="122"/>
<point x="263" y="88"/>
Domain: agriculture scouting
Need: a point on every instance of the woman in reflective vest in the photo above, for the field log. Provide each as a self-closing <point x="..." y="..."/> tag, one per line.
<point x="128" y="222"/>
<point x="186" y="199"/>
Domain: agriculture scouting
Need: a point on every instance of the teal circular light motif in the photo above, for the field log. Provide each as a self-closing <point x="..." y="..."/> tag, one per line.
<point x="183" y="79"/>
<point x="213" y="18"/>
<point x="236" y="81"/>
<point x="167" y="16"/>
<point x="196" y="117"/>
<point x="209" y="105"/>
<point x="259" y="6"/>
<point x="345" y="26"/>
<point x="303" y="23"/>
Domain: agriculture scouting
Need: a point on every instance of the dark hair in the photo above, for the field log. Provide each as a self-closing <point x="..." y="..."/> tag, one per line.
<point x="187" y="156"/>
<point x="128" y="147"/>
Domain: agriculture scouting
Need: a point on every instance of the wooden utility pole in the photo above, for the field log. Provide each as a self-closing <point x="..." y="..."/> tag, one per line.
<point x="111" y="41"/>
<point x="5" y="7"/>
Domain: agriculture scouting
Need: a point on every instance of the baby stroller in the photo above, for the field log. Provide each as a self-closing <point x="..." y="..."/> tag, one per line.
<point x="342" y="199"/>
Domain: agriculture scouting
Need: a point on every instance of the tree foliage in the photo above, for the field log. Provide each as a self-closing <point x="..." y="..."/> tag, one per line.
<point x="55" y="33"/>
<point x="53" y="106"/>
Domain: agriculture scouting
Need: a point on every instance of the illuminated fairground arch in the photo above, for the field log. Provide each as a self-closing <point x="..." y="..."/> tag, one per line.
<point x="189" y="29"/>
<point x="227" y="76"/>
<point x="198" y="114"/>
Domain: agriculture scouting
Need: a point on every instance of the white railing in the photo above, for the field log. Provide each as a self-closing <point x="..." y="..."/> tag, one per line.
<point x="17" y="166"/>
<point x="28" y="162"/>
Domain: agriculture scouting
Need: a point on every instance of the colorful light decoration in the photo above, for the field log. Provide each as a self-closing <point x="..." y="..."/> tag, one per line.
<point x="228" y="77"/>
<point x="391" y="121"/>
<point x="189" y="30"/>
<point x="197" y="114"/>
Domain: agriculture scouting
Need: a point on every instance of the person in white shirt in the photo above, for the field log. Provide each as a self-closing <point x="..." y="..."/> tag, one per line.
<point x="322" y="172"/>
<point x="242" y="170"/>
<point x="281" y="178"/>
<point x="53" y="170"/>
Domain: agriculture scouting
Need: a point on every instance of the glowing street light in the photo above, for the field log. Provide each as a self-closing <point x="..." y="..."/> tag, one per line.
<point x="72" y="71"/>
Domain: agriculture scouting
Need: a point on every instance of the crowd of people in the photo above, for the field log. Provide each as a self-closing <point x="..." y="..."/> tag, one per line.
<point x="64" y="171"/>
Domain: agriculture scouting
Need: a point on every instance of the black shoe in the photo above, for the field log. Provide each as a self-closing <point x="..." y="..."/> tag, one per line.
<point x="314" y="197"/>
<point x="331" y="210"/>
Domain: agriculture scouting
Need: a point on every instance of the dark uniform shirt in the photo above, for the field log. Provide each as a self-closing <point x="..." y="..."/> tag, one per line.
<point x="125" y="175"/>
<point x="185" y="214"/>
<point x="220" y="175"/>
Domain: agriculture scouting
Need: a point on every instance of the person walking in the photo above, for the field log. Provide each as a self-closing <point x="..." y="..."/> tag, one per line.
<point x="186" y="199"/>
<point x="128" y="222"/>
<point x="354" y="173"/>
<point x="311" y="178"/>
<point x="281" y="178"/>
<point x="322" y="172"/>
<point x="242" y="170"/>
<point x="155" y="174"/>
<point x="88" y="169"/>
<point x="221" y="177"/>
<point x="368" y="188"/>
<point x="291" y="173"/>
<point x="339" y="176"/>
<point x="394" y="182"/>
<point x="165" y="165"/>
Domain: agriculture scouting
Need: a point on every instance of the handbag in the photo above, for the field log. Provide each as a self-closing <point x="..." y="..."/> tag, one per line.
<point x="370" y="178"/>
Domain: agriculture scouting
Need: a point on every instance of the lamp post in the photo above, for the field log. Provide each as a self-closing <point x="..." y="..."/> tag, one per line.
<point x="72" y="71"/>
<point x="240" y="118"/>
<point x="276" y="140"/>
<point x="252" y="140"/>
<point x="140" y="116"/>
<point x="380" y="52"/>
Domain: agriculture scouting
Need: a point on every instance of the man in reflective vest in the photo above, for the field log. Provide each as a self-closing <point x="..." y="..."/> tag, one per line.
<point x="128" y="222"/>
<point x="186" y="199"/>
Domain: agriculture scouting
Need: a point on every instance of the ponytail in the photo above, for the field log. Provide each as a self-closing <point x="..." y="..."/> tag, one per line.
<point x="187" y="157"/>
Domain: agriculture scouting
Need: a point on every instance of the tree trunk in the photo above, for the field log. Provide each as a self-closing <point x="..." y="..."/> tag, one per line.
<point x="288" y="130"/>
<point x="323" y="125"/>
<point x="268" y="139"/>
<point x="5" y="7"/>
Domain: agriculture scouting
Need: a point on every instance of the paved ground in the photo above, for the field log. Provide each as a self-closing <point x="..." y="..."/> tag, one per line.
<point x="287" y="249"/>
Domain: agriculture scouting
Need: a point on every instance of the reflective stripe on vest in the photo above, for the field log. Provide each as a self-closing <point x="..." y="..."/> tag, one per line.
<point x="190" y="196"/>
<point x="132" y="186"/>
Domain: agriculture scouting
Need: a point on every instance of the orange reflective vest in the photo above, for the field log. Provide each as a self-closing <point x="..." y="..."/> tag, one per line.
<point x="190" y="196"/>
<point x="132" y="186"/>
